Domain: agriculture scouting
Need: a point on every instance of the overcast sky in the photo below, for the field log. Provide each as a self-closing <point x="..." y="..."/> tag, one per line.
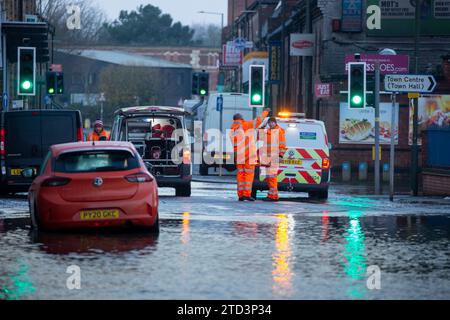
<point x="180" y="10"/>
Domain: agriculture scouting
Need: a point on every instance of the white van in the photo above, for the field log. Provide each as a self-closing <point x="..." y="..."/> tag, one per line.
<point x="305" y="166"/>
<point x="232" y="103"/>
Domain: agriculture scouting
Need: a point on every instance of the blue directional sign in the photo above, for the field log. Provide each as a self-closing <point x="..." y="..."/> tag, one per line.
<point x="219" y="104"/>
<point x="5" y="100"/>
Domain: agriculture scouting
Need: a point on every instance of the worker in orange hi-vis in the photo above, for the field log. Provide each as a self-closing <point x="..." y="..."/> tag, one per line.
<point x="274" y="148"/>
<point x="243" y="138"/>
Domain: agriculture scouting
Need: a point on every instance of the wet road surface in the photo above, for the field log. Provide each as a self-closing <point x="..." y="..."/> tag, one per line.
<point x="213" y="247"/>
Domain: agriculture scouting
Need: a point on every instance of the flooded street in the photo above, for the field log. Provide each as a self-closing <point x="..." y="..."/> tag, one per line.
<point x="211" y="247"/>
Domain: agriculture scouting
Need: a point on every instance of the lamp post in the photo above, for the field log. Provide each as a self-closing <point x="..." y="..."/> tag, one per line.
<point x="217" y="14"/>
<point x="221" y="110"/>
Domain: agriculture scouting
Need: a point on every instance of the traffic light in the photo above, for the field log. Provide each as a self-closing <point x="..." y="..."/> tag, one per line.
<point x="50" y="79"/>
<point x="55" y="82"/>
<point x="26" y="71"/>
<point x="370" y="91"/>
<point x="256" y="86"/>
<point x="60" y="83"/>
<point x="203" y="84"/>
<point x="357" y="85"/>
<point x="195" y="79"/>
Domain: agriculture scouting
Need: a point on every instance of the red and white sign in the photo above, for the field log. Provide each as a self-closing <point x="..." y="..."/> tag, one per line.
<point x="388" y="63"/>
<point x="302" y="44"/>
<point x="232" y="56"/>
<point x="56" y="67"/>
<point x="323" y="90"/>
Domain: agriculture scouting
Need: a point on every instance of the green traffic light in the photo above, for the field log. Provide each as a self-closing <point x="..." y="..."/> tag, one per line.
<point x="203" y="92"/>
<point x="357" y="100"/>
<point x="51" y="90"/>
<point x="256" y="98"/>
<point x="26" y="85"/>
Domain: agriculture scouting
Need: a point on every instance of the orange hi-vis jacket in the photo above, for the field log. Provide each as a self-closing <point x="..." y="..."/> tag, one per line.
<point x="96" y="137"/>
<point x="243" y="139"/>
<point x="274" y="145"/>
<point x="273" y="149"/>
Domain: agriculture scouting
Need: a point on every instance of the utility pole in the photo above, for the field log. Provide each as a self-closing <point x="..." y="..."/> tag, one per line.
<point x="415" y="147"/>
<point x="283" y="51"/>
<point x="377" y="129"/>
<point x="308" y="107"/>
<point x="4" y="61"/>
<point x="392" y="150"/>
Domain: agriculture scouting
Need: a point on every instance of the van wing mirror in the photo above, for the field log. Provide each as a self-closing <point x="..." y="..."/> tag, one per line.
<point x="330" y="146"/>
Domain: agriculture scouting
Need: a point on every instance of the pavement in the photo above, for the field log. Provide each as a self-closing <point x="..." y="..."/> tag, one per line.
<point x="356" y="189"/>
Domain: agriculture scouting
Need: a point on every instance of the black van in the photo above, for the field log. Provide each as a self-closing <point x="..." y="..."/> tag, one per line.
<point x="25" y="137"/>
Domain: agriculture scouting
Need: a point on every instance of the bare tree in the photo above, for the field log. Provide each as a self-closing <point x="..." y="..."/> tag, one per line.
<point x="207" y="35"/>
<point x="92" y="20"/>
<point x="126" y="86"/>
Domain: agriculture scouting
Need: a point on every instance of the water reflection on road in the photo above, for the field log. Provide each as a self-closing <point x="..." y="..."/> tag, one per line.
<point x="281" y="256"/>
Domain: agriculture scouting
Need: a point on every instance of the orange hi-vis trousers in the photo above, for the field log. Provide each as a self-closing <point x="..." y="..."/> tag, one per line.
<point x="272" y="181"/>
<point x="245" y="175"/>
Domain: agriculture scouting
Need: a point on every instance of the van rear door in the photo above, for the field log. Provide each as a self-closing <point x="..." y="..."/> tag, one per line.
<point x="22" y="143"/>
<point x="306" y="149"/>
<point x="59" y="127"/>
<point x="29" y="134"/>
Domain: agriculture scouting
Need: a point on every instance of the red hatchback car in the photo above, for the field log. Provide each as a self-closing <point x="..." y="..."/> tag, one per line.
<point x="85" y="185"/>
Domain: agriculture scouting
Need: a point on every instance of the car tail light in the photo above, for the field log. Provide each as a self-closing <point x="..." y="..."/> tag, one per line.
<point x="186" y="157"/>
<point x="56" y="182"/>
<point x="326" y="163"/>
<point x="2" y="142"/>
<point x="80" y="135"/>
<point x="140" y="177"/>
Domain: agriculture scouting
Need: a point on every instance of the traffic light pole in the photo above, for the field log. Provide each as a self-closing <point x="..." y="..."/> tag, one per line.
<point x="377" y="129"/>
<point x="392" y="151"/>
<point x="221" y="141"/>
<point x="415" y="146"/>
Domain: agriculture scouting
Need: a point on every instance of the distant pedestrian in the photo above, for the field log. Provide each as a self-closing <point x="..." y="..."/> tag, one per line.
<point x="99" y="133"/>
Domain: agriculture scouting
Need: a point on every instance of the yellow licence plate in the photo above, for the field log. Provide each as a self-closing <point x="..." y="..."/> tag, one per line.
<point x="99" y="214"/>
<point x="290" y="161"/>
<point x="16" y="172"/>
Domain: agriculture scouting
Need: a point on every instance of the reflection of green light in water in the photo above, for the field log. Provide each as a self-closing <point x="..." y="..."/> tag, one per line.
<point x="355" y="260"/>
<point x="356" y="202"/>
<point x="17" y="286"/>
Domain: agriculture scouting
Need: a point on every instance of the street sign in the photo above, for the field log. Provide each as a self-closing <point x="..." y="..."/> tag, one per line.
<point x="409" y="83"/>
<point x="219" y="104"/>
<point x="56" y="67"/>
<point x="5" y="100"/>
<point x="323" y="90"/>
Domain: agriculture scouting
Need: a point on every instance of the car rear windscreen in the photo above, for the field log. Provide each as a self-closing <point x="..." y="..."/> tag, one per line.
<point x="96" y="161"/>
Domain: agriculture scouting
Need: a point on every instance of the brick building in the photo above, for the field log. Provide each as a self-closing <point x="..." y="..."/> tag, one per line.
<point x="338" y="34"/>
<point x="15" y="10"/>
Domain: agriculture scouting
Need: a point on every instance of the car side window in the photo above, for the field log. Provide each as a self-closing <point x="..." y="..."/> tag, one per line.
<point x="45" y="163"/>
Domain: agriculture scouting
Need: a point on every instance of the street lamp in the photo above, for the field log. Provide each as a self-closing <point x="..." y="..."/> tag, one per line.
<point x="217" y="14"/>
<point x="221" y="112"/>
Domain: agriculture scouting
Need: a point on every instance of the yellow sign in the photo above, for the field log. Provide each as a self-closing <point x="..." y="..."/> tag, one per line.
<point x="373" y="153"/>
<point x="413" y="95"/>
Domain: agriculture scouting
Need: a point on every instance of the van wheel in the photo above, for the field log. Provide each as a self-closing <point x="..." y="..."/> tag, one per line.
<point x="184" y="191"/>
<point x="320" y="195"/>
<point x="203" y="170"/>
